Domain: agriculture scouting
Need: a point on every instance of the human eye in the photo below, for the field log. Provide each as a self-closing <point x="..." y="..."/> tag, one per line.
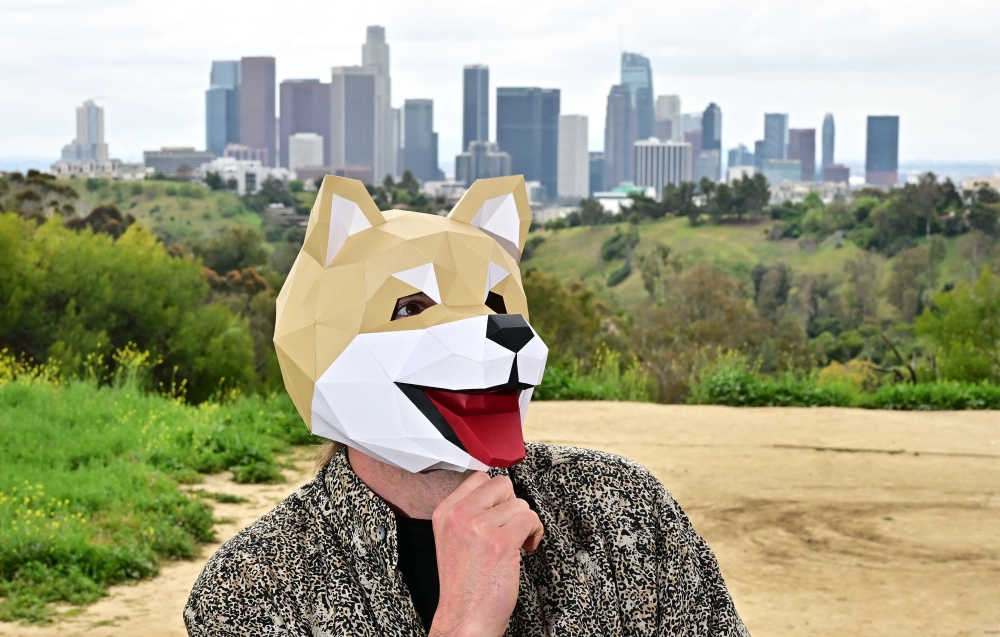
<point x="411" y="305"/>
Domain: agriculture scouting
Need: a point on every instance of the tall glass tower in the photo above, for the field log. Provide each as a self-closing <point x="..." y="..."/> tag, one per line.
<point x="475" y="104"/>
<point x="828" y="135"/>
<point x="637" y="76"/>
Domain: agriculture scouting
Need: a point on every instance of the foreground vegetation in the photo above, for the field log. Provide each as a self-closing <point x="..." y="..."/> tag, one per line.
<point x="89" y="480"/>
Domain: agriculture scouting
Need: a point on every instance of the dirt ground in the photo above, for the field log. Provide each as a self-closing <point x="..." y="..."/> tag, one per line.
<point x="825" y="521"/>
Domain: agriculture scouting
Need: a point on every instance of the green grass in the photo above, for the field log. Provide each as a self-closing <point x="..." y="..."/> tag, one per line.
<point x="89" y="483"/>
<point x="574" y="253"/>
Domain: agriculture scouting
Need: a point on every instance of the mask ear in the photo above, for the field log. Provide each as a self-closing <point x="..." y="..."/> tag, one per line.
<point x="343" y="207"/>
<point x="498" y="207"/>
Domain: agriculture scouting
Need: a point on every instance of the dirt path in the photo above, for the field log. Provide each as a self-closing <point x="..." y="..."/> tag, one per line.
<point x="825" y="521"/>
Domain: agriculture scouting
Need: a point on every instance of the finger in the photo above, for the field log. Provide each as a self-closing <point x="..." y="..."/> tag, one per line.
<point x="469" y="485"/>
<point x="524" y="530"/>
<point x="503" y="513"/>
<point x="489" y="494"/>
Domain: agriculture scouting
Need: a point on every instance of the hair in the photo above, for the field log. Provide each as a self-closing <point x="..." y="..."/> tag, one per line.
<point x="325" y="453"/>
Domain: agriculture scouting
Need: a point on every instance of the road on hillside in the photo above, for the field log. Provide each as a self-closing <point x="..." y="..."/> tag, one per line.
<point x="825" y="521"/>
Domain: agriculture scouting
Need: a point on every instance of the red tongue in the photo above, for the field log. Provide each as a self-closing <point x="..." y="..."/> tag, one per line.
<point x="489" y="424"/>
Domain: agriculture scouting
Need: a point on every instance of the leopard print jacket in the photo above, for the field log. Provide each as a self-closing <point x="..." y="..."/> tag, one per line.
<point x="619" y="557"/>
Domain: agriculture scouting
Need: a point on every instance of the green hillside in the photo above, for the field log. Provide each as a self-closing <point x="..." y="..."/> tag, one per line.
<point x="574" y="254"/>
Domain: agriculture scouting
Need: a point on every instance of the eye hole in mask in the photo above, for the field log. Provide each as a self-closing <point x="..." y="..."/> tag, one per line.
<point x="495" y="302"/>
<point x="407" y="306"/>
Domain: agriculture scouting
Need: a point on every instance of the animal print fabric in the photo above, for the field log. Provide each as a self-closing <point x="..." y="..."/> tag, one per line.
<point x="619" y="557"/>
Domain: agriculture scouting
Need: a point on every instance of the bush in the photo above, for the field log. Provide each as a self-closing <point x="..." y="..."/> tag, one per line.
<point x="943" y="395"/>
<point x="605" y="381"/>
<point x="731" y="383"/>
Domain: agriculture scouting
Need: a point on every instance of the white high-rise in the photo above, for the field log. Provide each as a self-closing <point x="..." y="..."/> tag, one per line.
<point x="668" y="109"/>
<point x="658" y="163"/>
<point x="574" y="157"/>
<point x="375" y="53"/>
<point x="305" y="150"/>
<point x="89" y="143"/>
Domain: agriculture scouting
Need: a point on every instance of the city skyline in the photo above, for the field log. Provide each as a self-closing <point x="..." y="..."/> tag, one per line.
<point x="149" y="108"/>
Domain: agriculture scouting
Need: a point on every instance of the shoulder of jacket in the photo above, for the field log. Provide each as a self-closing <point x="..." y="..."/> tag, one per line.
<point x="583" y="469"/>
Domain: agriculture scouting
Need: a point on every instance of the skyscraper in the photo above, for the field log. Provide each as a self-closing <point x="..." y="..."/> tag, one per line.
<point x="711" y="128"/>
<point x="481" y="160"/>
<point x="694" y="138"/>
<point x="828" y="137"/>
<point x="352" y="118"/>
<point x="637" y="76"/>
<point x="759" y="155"/>
<point x="668" y="111"/>
<point x="802" y="146"/>
<point x="740" y="156"/>
<point x="305" y="108"/>
<point x="420" y="153"/>
<point x="658" y="163"/>
<point x="257" y="106"/>
<point x="775" y="136"/>
<point x="882" y="150"/>
<point x="620" y="130"/>
<point x="709" y="159"/>
<point x="596" y="173"/>
<point x="528" y="129"/>
<point x="475" y="104"/>
<point x="222" y="106"/>
<point x="574" y="158"/>
<point x="89" y="143"/>
<point x="375" y="53"/>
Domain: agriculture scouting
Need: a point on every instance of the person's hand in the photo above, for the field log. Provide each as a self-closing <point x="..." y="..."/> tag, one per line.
<point x="479" y="530"/>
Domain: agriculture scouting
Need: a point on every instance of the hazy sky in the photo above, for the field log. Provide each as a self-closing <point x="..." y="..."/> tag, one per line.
<point x="936" y="64"/>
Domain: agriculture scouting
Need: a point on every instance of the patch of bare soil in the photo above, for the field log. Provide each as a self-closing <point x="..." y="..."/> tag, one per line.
<point x="824" y="521"/>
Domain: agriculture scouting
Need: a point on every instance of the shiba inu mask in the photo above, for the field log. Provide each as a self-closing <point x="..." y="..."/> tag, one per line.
<point x="443" y="383"/>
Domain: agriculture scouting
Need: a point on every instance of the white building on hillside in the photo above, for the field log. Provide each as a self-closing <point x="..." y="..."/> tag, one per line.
<point x="658" y="163"/>
<point x="250" y="174"/>
<point x="574" y="157"/>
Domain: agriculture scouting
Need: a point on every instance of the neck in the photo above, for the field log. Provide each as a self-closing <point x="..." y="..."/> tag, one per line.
<point x="414" y="495"/>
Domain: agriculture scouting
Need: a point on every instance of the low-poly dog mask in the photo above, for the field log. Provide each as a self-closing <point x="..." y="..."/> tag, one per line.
<point x="443" y="388"/>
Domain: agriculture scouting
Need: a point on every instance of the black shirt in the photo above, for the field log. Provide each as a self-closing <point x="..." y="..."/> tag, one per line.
<point x="418" y="564"/>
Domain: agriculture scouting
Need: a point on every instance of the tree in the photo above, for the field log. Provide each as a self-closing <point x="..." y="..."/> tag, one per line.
<point x="771" y="288"/>
<point x="964" y="331"/>
<point x="913" y="274"/>
<point x="409" y="183"/>
<point x="680" y="201"/>
<point x="214" y="181"/>
<point x="976" y="248"/>
<point x="592" y="213"/>
<point x="235" y="248"/>
<point x="984" y="218"/>
<point x="861" y="294"/>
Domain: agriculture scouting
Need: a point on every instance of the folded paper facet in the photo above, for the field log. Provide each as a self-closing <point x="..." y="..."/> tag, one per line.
<point x="447" y="388"/>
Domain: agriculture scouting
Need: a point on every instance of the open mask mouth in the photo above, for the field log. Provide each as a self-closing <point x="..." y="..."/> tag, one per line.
<point x="486" y="424"/>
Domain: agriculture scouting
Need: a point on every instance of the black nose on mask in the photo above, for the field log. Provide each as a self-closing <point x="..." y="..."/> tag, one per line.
<point x="508" y="330"/>
<point x="512" y="332"/>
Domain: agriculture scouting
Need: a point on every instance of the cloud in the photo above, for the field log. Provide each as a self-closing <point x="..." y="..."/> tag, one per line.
<point x="934" y="64"/>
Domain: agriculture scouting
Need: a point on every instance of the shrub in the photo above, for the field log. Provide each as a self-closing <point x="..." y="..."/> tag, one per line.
<point x="731" y="383"/>
<point x="606" y="380"/>
<point x="943" y="395"/>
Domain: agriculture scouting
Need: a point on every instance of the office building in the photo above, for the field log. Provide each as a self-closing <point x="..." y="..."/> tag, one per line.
<point x="740" y="156"/>
<point x="352" y="119"/>
<point x="779" y="170"/>
<point x="257" y="106"/>
<point x="737" y="173"/>
<point x="802" y="146"/>
<point x="222" y="106"/>
<point x="304" y="150"/>
<point x="245" y="153"/>
<point x="882" y="150"/>
<point x="775" y="136"/>
<point x="305" y="108"/>
<point x="620" y="133"/>
<point x="397" y="137"/>
<point x="475" y="104"/>
<point x="708" y="165"/>
<point x="89" y="145"/>
<point x="759" y="155"/>
<point x="694" y="138"/>
<point x="836" y="173"/>
<point x="828" y="138"/>
<point x="249" y="174"/>
<point x="375" y="54"/>
<point x="668" y="118"/>
<point x="528" y="129"/>
<point x="711" y="128"/>
<point x="574" y="158"/>
<point x="420" y="147"/>
<point x="658" y="163"/>
<point x="690" y="122"/>
<point x="482" y="160"/>
<point x="637" y="77"/>
<point x="596" y="173"/>
<point x="176" y="161"/>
